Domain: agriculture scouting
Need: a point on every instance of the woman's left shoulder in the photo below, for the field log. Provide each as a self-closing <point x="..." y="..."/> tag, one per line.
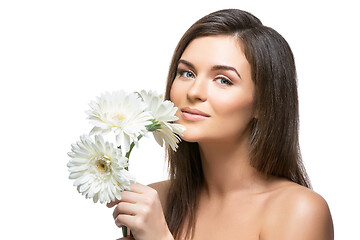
<point x="297" y="212"/>
<point x="295" y="197"/>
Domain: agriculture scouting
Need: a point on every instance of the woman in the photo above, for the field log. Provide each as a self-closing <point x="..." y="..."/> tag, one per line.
<point x="237" y="173"/>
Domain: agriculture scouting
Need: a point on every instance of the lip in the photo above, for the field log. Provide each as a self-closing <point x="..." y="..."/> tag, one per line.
<point x="193" y="114"/>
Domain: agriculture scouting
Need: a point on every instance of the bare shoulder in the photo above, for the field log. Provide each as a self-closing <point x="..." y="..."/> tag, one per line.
<point x="162" y="189"/>
<point x="296" y="212"/>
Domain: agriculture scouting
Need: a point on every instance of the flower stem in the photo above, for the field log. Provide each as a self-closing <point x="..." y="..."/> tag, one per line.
<point x="127" y="155"/>
<point x="124" y="231"/>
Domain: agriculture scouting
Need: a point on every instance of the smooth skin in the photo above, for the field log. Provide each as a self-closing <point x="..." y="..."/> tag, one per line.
<point x="140" y="209"/>
<point x="237" y="202"/>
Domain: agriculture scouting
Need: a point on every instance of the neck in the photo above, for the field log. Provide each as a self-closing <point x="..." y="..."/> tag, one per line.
<point x="227" y="169"/>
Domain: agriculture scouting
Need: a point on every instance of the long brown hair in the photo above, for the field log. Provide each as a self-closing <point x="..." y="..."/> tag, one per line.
<point x="274" y="145"/>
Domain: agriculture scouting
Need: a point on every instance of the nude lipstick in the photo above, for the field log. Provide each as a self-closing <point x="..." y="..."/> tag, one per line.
<point x="193" y="114"/>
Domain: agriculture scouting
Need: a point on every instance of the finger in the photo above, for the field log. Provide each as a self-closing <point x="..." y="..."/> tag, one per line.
<point x="126" y="196"/>
<point x="124" y="208"/>
<point x="124" y="220"/>
<point x="139" y="188"/>
<point x="111" y="204"/>
<point x="130" y="196"/>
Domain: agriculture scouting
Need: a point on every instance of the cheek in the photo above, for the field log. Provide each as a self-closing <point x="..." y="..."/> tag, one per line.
<point x="175" y="93"/>
<point x="172" y="93"/>
<point x="175" y="97"/>
<point x="235" y="110"/>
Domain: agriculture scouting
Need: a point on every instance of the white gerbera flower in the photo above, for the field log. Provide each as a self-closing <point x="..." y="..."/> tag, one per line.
<point x="121" y="113"/>
<point x="98" y="169"/>
<point x="164" y="114"/>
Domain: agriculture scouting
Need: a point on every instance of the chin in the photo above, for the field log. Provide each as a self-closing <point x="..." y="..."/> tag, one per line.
<point x="188" y="139"/>
<point x="190" y="136"/>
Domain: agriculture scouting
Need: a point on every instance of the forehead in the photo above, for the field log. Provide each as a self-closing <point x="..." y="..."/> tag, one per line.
<point x="215" y="50"/>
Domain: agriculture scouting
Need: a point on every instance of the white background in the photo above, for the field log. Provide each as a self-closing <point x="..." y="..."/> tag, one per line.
<point x="56" y="56"/>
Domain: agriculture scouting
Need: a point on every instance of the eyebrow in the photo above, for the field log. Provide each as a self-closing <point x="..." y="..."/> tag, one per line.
<point x="227" y="68"/>
<point x="214" y="68"/>
<point x="189" y="64"/>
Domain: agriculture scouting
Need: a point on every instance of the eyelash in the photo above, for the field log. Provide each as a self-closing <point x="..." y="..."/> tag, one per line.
<point x="182" y="72"/>
<point x="228" y="82"/>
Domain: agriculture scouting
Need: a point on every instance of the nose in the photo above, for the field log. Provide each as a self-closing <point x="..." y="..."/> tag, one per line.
<point x="198" y="90"/>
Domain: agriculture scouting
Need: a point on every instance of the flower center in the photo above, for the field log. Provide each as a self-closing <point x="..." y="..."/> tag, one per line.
<point x="119" y="117"/>
<point x="103" y="164"/>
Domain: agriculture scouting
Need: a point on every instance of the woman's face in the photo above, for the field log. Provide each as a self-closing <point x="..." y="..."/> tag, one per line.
<point x="213" y="90"/>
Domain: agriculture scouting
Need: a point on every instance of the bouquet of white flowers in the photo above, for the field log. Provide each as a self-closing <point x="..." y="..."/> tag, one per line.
<point x="100" y="168"/>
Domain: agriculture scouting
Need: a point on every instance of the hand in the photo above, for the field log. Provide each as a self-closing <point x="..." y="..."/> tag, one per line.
<point x="140" y="210"/>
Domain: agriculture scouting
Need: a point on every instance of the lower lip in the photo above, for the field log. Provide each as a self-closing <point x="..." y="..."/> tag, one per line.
<point x="193" y="117"/>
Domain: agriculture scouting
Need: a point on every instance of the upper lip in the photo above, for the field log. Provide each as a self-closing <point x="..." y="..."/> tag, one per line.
<point x="194" y="111"/>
